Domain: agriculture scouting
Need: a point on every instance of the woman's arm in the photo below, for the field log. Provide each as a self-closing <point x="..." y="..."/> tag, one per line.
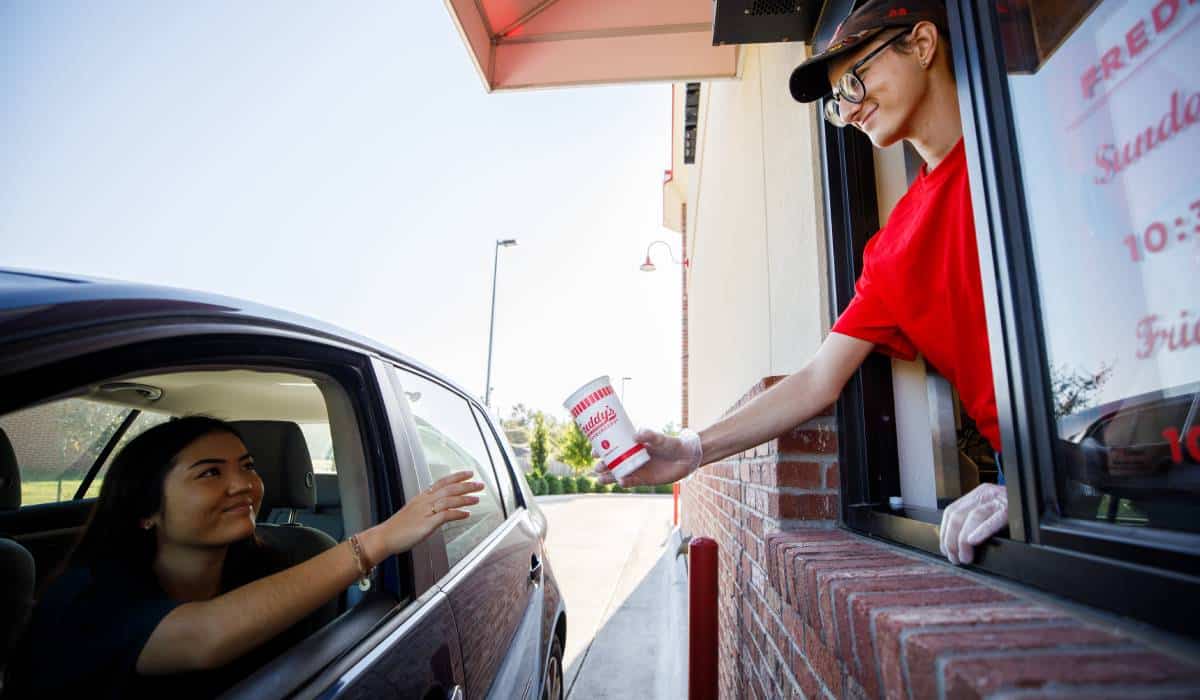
<point x="208" y="634"/>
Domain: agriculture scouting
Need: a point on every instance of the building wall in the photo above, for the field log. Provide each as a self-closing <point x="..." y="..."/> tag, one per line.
<point x="757" y="286"/>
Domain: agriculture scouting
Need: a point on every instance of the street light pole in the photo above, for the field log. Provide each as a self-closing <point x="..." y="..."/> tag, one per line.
<point x="487" y="384"/>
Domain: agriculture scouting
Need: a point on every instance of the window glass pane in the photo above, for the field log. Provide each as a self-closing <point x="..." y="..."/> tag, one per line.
<point x="141" y="424"/>
<point x="56" y="444"/>
<point x="1107" y="103"/>
<point x="320" y="447"/>
<point x="503" y="473"/>
<point x="451" y="442"/>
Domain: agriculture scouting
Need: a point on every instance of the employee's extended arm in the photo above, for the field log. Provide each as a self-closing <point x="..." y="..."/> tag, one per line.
<point x="796" y="399"/>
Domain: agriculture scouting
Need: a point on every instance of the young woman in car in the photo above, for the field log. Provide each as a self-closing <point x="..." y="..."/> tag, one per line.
<point x="170" y="593"/>
<point x="888" y="73"/>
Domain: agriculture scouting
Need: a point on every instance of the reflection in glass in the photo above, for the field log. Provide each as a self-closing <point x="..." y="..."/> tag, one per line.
<point x="1106" y="101"/>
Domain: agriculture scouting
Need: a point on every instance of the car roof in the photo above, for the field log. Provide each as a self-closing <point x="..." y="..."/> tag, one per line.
<point x="35" y="303"/>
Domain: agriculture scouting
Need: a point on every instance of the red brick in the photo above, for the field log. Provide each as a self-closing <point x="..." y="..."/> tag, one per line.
<point x="981" y="676"/>
<point x="922" y="649"/>
<point x="820" y="440"/>
<point x="801" y="475"/>
<point x="808" y="506"/>
<point x="801" y="591"/>
<point x="834" y="607"/>
<point x="833" y="477"/>
<point x="809" y="684"/>
<point x="854" y="691"/>
<point x="819" y="569"/>
<point x="889" y="624"/>
<point x="823" y="661"/>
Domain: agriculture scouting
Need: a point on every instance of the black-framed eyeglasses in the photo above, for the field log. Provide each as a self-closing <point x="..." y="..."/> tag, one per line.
<point x="850" y="86"/>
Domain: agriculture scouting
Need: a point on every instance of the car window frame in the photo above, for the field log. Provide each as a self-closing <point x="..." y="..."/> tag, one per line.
<point x="496" y="453"/>
<point x="443" y="568"/>
<point x="124" y="351"/>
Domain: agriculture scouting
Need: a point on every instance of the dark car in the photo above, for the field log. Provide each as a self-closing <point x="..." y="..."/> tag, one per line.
<point x="343" y="431"/>
<point x="1136" y="460"/>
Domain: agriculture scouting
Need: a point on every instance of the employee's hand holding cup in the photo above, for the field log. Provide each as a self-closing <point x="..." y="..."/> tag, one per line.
<point x="633" y="459"/>
<point x="671" y="459"/>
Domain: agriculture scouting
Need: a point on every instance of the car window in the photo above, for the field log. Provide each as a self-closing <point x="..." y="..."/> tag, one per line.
<point x="451" y="442"/>
<point x="320" y="447"/>
<point x="57" y="443"/>
<point x="144" y="421"/>
<point x="503" y="473"/>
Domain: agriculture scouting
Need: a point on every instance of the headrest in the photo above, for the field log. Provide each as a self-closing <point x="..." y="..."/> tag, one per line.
<point x="282" y="460"/>
<point x="10" y="477"/>
<point x="327" y="491"/>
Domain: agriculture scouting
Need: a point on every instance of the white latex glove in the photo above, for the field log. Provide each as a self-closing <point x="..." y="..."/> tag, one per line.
<point x="972" y="519"/>
<point x="671" y="459"/>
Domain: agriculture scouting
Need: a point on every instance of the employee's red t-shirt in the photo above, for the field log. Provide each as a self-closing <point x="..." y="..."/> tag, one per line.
<point x="920" y="291"/>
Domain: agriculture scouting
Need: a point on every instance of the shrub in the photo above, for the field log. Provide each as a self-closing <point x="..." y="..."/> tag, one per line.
<point x="643" y="489"/>
<point x="617" y="488"/>
<point x="553" y="485"/>
<point x="664" y="488"/>
<point x="585" y="484"/>
<point x="568" y="485"/>
<point x="539" y="486"/>
<point x="532" y="479"/>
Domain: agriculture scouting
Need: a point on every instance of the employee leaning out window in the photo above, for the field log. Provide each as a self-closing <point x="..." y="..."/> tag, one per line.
<point x="888" y="72"/>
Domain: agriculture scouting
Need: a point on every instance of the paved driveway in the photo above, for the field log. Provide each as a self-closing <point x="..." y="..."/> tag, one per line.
<point x="604" y="549"/>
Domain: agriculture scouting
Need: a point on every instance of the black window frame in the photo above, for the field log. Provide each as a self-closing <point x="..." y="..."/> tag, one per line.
<point x="1130" y="572"/>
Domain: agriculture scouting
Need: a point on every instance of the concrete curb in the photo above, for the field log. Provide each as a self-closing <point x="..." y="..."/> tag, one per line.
<point x="671" y="678"/>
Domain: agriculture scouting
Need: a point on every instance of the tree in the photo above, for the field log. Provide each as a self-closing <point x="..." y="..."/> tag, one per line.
<point x="576" y="449"/>
<point x="537" y="446"/>
<point x="1074" y="391"/>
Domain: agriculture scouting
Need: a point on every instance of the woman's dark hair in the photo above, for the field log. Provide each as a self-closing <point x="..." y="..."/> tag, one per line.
<point x="133" y="490"/>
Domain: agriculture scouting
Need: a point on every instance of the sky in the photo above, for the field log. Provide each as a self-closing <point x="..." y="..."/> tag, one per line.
<point x="345" y="162"/>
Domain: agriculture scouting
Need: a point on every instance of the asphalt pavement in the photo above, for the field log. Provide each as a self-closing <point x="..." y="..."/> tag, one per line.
<point x="613" y="557"/>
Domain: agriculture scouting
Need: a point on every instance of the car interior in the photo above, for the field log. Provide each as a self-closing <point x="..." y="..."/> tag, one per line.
<point x="300" y="428"/>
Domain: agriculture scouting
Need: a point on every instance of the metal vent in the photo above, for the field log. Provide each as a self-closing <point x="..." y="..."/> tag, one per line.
<point x="775" y="7"/>
<point x="691" y="116"/>
<point x="763" y="21"/>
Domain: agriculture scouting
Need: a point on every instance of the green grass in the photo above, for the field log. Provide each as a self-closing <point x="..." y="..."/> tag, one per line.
<point x="35" y="492"/>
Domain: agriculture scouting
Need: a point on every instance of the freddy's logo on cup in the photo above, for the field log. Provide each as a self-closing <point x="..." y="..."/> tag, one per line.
<point x="599" y="421"/>
<point x="601" y="417"/>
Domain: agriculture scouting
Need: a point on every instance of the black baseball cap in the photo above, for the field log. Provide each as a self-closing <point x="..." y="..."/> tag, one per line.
<point x="810" y="82"/>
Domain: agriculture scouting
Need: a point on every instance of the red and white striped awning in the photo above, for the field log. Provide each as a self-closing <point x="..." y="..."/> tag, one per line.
<point x="540" y="43"/>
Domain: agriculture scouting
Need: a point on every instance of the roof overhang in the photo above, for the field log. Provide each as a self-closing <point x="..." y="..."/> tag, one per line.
<point x="518" y="44"/>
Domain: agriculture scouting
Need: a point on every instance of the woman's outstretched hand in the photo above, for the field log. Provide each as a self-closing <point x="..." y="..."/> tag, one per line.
<point x="671" y="459"/>
<point x="429" y="510"/>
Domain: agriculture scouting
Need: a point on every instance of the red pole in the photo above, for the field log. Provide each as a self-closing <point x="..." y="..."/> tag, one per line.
<point x="675" y="503"/>
<point x="702" y="619"/>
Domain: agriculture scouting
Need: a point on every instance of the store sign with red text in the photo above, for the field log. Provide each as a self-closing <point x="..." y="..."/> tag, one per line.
<point x="1108" y="127"/>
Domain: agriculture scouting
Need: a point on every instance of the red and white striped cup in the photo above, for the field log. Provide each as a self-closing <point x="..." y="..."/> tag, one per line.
<point x="599" y="414"/>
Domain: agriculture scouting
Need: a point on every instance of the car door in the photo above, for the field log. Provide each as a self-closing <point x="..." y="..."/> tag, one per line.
<point x="399" y="639"/>
<point x="494" y="560"/>
<point x="396" y="647"/>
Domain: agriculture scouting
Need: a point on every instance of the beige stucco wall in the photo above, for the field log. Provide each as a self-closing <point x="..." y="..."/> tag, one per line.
<point x="758" y="295"/>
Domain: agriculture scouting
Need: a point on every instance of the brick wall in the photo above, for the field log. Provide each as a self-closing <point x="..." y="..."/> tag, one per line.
<point x="808" y="610"/>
